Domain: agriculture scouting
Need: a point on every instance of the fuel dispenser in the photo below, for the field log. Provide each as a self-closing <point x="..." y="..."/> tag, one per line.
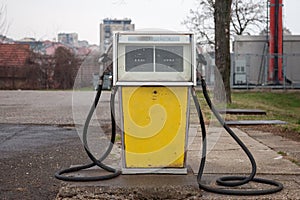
<point x="154" y="73"/>
<point x="155" y="76"/>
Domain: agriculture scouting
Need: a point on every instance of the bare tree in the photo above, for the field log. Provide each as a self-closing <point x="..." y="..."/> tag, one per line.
<point x="44" y="65"/>
<point x="216" y="20"/>
<point x="66" y="67"/>
<point x="222" y="44"/>
<point x="247" y="17"/>
<point x="201" y="21"/>
<point x="3" y="20"/>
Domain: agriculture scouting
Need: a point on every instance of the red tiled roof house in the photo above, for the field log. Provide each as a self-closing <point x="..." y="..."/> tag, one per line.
<point x="15" y="66"/>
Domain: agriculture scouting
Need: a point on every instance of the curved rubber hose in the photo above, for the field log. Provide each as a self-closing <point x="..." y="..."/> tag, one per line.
<point x="229" y="181"/>
<point x="96" y="162"/>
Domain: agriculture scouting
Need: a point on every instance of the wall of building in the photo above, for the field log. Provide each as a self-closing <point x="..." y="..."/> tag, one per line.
<point x="20" y="77"/>
<point x="250" y="60"/>
<point x="68" y="39"/>
<point x="291" y="50"/>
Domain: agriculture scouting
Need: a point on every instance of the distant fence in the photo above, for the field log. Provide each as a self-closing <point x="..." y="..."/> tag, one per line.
<point x="251" y="71"/>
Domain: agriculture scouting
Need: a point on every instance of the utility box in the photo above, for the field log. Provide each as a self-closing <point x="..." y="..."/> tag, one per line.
<point x="155" y="73"/>
<point x="240" y="72"/>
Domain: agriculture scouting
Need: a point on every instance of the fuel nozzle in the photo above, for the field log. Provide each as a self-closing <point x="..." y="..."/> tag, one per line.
<point x="104" y="61"/>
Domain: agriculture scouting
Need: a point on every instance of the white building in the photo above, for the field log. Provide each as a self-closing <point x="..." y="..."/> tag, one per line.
<point x="109" y="26"/>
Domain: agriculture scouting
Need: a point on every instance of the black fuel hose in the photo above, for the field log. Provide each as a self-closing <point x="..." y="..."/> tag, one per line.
<point x="96" y="162"/>
<point x="229" y="181"/>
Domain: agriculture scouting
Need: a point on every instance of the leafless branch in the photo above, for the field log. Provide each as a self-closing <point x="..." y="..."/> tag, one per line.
<point x="3" y="20"/>
<point x="247" y="17"/>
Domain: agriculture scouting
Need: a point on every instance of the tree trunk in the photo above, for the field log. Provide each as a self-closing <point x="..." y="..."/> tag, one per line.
<point x="222" y="45"/>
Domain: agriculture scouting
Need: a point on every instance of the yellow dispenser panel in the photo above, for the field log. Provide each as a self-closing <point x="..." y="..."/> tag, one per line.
<point x="155" y="126"/>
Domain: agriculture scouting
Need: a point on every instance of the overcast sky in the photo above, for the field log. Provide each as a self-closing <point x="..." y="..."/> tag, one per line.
<point x="43" y="19"/>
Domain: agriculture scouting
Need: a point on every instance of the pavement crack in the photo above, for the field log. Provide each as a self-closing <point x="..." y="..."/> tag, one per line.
<point x="11" y="136"/>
